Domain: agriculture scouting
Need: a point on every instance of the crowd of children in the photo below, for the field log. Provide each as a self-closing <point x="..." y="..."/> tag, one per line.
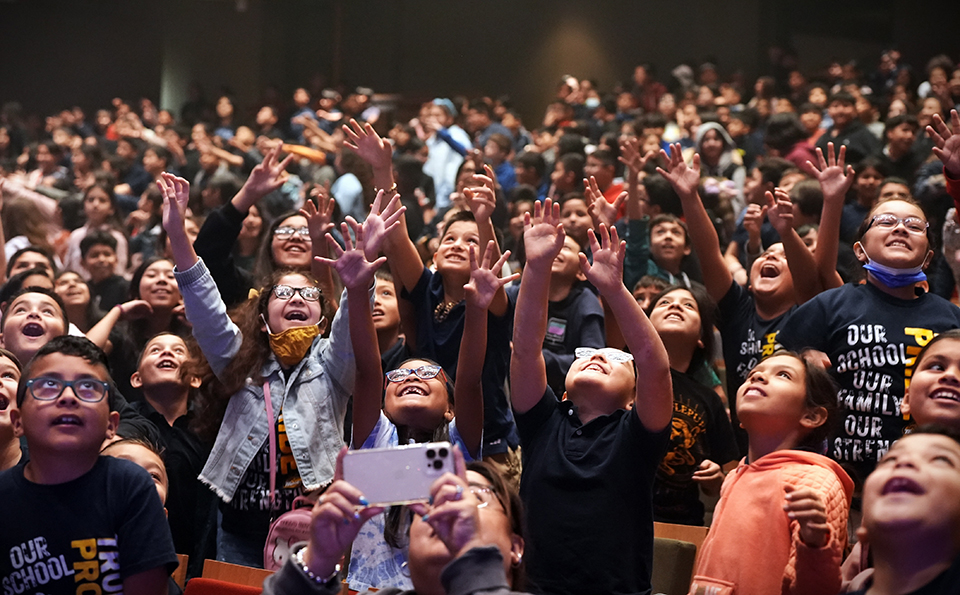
<point x="213" y="312"/>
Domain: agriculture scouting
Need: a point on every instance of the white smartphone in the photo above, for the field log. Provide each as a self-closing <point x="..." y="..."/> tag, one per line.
<point x="399" y="475"/>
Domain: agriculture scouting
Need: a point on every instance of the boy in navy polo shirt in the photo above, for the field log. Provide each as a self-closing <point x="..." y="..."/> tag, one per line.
<point x="589" y="460"/>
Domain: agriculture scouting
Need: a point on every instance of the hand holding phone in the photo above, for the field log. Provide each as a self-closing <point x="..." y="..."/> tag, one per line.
<point x="398" y="475"/>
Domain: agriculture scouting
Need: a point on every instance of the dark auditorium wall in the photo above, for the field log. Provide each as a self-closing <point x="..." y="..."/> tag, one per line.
<point x="59" y="52"/>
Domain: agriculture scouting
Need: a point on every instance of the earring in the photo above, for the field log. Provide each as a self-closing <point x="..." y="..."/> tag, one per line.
<point x="519" y="559"/>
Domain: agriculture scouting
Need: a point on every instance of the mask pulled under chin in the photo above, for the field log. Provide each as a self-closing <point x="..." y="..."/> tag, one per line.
<point x="892" y="277"/>
<point x="292" y="344"/>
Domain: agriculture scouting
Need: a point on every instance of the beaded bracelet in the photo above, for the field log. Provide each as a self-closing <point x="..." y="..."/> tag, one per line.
<point x="298" y="558"/>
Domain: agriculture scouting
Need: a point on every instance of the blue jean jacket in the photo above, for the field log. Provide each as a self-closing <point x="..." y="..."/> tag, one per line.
<point x="313" y="398"/>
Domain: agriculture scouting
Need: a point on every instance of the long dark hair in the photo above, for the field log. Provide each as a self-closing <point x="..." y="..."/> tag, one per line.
<point x="253" y="354"/>
<point x="707" y="309"/>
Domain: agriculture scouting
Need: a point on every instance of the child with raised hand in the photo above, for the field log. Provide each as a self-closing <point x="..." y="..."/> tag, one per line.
<point x="589" y="460"/>
<point x="751" y="317"/>
<point x="871" y="332"/>
<point x="438" y="297"/>
<point x="835" y="181"/>
<point x="284" y="389"/>
<point x="417" y="403"/>
<point x="780" y="525"/>
<point x="83" y="522"/>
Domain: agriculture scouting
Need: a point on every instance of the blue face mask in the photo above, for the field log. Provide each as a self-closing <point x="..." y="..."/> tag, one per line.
<point x="892" y="277"/>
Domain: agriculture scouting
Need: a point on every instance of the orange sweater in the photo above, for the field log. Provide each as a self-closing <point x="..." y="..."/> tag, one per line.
<point x="753" y="548"/>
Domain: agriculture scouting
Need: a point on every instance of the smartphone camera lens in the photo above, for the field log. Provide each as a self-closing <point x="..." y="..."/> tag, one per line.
<point x="443" y="453"/>
<point x="431" y="454"/>
<point x="438" y="464"/>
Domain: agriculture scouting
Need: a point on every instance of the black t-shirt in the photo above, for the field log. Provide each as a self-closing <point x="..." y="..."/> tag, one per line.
<point x="700" y="430"/>
<point x="945" y="583"/>
<point x="94" y="531"/>
<point x="440" y="341"/>
<point x="110" y="292"/>
<point x="746" y="339"/>
<point x="871" y="338"/>
<point x="191" y="510"/>
<point x="587" y="490"/>
<point x="249" y="513"/>
<point x="575" y="321"/>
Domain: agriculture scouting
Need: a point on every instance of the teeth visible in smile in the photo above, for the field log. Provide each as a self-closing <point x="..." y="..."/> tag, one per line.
<point x="413" y="390"/>
<point x="67" y="420"/>
<point x="950" y="395"/>
<point x="167" y="364"/>
<point x="595" y="367"/>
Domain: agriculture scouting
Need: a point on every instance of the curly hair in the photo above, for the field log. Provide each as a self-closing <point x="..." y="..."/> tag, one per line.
<point x="254" y="352"/>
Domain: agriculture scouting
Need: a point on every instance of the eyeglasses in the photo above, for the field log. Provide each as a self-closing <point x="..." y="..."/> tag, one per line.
<point x="285" y="232"/>
<point x="914" y="225"/>
<point x="611" y="354"/>
<point x="486" y="496"/>
<point x="88" y="390"/>
<point x="423" y="373"/>
<point x="285" y="292"/>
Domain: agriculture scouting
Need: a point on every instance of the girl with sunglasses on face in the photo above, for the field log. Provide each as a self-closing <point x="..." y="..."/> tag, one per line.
<point x="414" y="403"/>
<point x="280" y="389"/>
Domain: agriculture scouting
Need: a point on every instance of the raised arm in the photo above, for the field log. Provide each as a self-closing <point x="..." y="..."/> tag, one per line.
<point x="835" y="181"/>
<point x="803" y="267"/>
<point x="482" y="199"/>
<point x="176" y="194"/>
<point x="542" y="238"/>
<point x="601" y="210"/>
<point x="319" y="221"/>
<point x="947" y="149"/>
<point x="357" y="273"/>
<point x="653" y="403"/>
<point x="266" y="177"/>
<point x="402" y="255"/>
<point x="485" y="283"/>
<point x="685" y="180"/>
<point x="99" y="333"/>
<point x="634" y="162"/>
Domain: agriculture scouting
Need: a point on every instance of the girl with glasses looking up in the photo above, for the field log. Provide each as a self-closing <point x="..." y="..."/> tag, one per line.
<point x="280" y="389"/>
<point x="414" y="403"/>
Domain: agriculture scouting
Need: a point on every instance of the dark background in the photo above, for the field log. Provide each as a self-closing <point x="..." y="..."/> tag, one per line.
<point x="58" y="53"/>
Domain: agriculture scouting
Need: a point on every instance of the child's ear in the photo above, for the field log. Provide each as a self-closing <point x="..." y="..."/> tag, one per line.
<point x="687" y="249"/>
<point x="859" y="252"/>
<point x="516" y="550"/>
<point x="113" y="422"/>
<point x="580" y="275"/>
<point x="135" y="380"/>
<point x="16" y="420"/>
<point x="905" y="405"/>
<point x="322" y="324"/>
<point x="195" y="381"/>
<point x="814" y="417"/>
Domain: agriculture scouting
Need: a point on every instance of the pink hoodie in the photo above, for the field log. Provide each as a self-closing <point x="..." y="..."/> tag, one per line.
<point x="753" y="548"/>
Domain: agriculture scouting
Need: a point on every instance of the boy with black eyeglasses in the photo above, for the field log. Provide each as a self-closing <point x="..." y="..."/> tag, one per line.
<point x="83" y="522"/>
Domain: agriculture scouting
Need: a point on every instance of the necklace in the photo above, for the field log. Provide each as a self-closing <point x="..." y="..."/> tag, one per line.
<point x="442" y="310"/>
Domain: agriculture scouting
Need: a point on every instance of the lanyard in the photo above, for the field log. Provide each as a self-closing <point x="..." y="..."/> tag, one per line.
<point x="271" y="425"/>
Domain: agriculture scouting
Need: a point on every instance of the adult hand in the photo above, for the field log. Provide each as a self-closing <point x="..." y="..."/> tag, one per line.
<point x="454" y="513"/>
<point x="335" y="521"/>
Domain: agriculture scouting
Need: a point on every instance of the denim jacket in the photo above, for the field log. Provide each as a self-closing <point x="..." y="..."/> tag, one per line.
<point x="313" y="398"/>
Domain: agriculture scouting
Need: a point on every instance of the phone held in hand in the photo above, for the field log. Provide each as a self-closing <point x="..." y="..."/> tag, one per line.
<point x="398" y="475"/>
